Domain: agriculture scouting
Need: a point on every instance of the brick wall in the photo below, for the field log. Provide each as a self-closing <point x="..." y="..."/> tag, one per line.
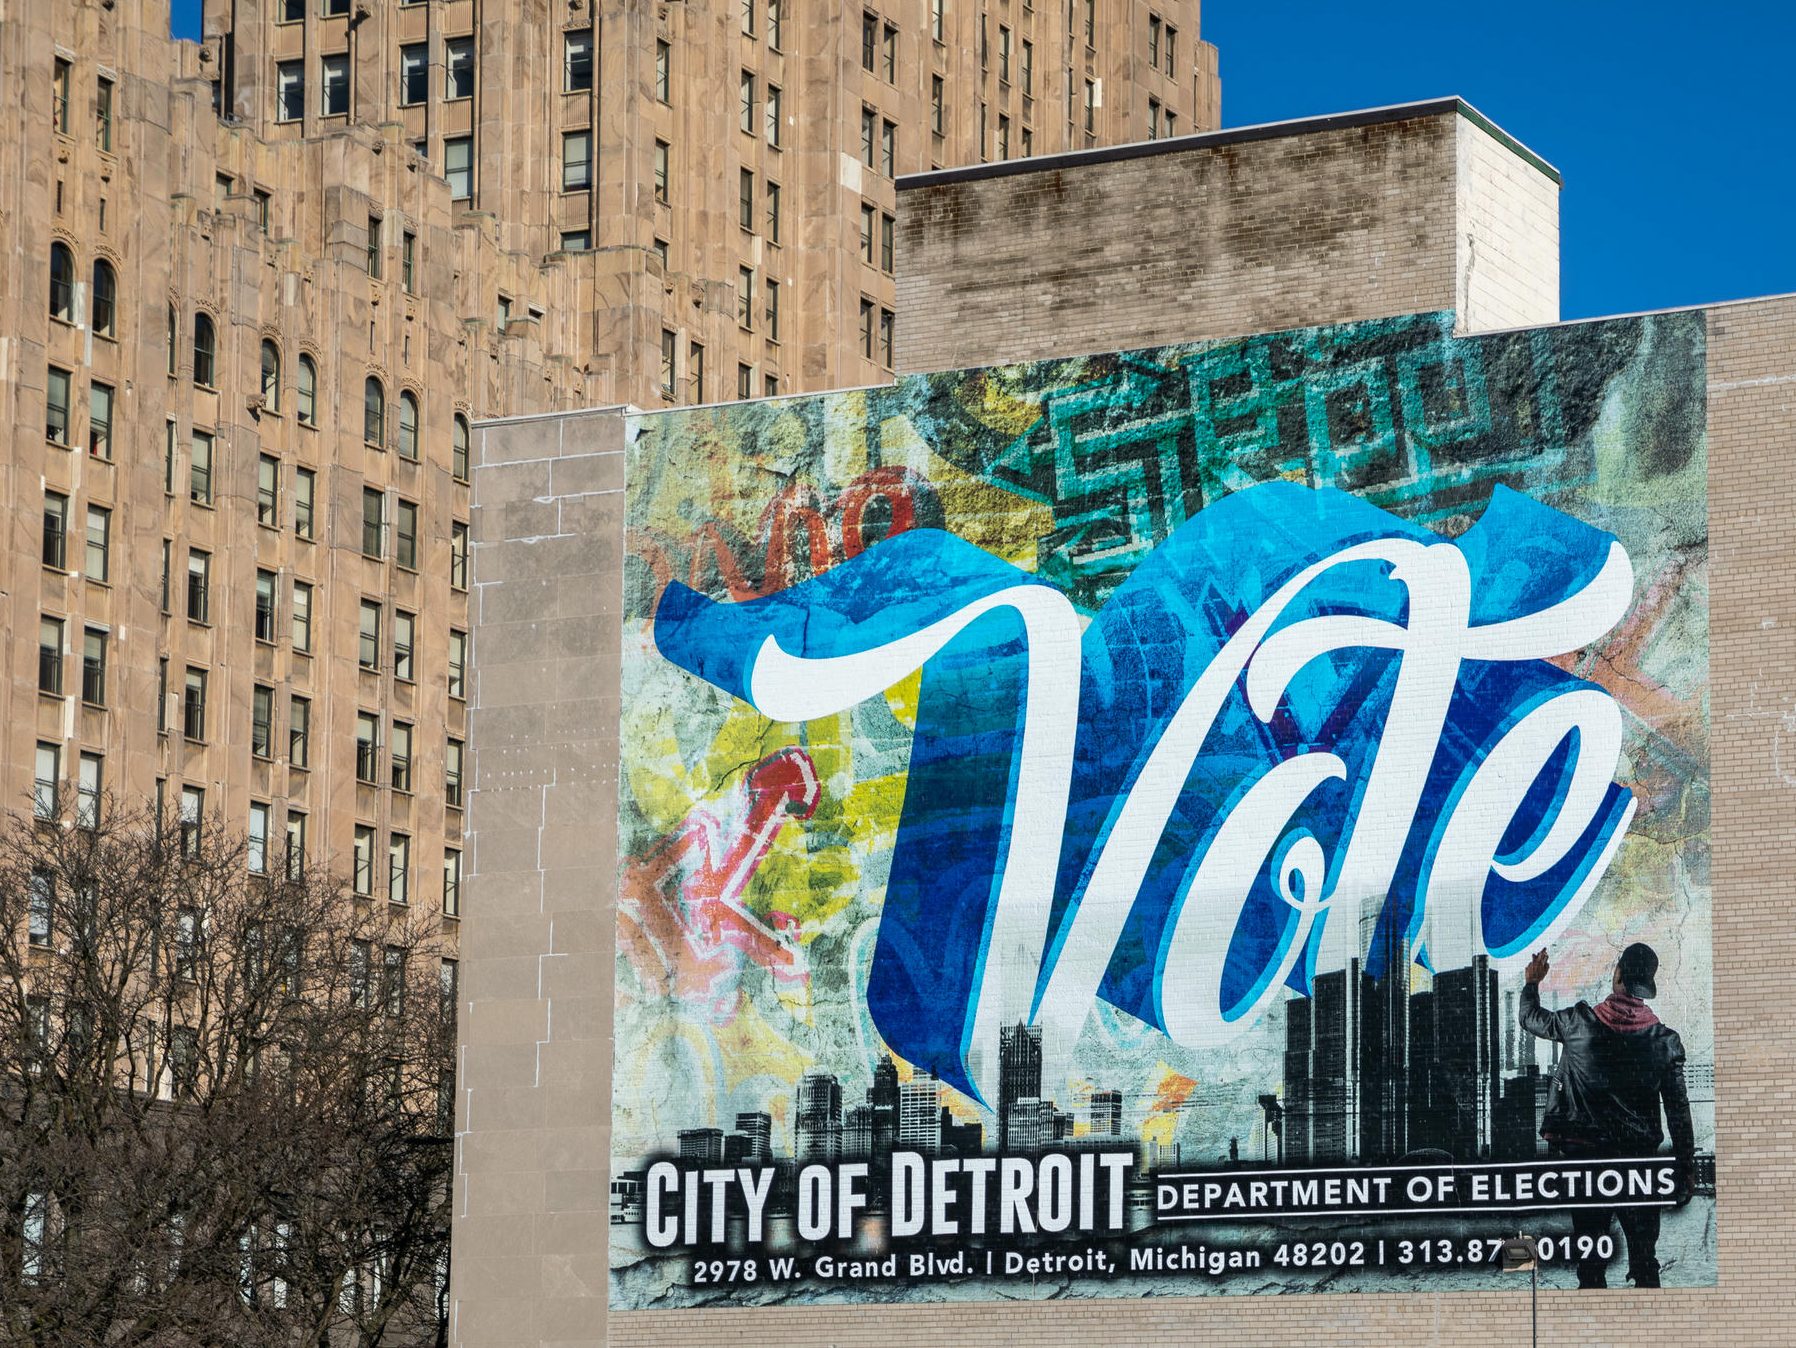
<point x="1391" y="212"/>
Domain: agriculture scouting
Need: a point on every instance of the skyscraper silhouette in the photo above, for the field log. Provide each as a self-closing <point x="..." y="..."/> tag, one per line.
<point x="1019" y="1072"/>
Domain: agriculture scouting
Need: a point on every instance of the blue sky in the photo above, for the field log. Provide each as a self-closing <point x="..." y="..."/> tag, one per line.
<point x="1678" y="150"/>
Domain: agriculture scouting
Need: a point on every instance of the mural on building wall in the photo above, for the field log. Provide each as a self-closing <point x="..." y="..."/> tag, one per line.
<point x="1224" y="818"/>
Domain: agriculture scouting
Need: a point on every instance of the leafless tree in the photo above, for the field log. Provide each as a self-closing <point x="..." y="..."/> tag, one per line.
<point x="224" y="1095"/>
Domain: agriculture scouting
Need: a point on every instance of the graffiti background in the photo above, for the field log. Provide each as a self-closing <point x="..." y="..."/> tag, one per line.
<point x="755" y="854"/>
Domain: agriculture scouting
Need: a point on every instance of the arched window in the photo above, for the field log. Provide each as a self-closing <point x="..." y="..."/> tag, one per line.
<point x="205" y="351"/>
<point x="104" y="316"/>
<point x="173" y="339"/>
<point x="458" y="449"/>
<point x="307" y="412"/>
<point x="408" y="425"/>
<point x="271" y="376"/>
<point x="374" y="411"/>
<point x="62" y="282"/>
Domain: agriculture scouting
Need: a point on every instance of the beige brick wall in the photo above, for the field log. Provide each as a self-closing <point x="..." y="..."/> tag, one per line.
<point x="1392" y="212"/>
<point x="530" y="1252"/>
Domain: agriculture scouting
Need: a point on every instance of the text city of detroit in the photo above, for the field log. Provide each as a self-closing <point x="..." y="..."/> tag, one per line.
<point x="940" y="1196"/>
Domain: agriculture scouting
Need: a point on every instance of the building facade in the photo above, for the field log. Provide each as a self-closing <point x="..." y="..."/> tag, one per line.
<point x="266" y="283"/>
<point x="1431" y="186"/>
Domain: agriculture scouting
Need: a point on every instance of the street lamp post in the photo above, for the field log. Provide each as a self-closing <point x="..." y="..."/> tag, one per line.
<point x="1520" y="1255"/>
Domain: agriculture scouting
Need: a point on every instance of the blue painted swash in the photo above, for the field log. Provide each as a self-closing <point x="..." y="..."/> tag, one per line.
<point x="1140" y="657"/>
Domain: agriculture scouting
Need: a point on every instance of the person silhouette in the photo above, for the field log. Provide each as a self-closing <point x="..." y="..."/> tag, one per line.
<point x="1619" y="1063"/>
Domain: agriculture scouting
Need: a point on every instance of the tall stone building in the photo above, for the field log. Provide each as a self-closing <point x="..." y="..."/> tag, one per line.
<point x="260" y="287"/>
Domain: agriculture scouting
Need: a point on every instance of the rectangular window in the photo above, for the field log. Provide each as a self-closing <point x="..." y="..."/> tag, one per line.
<point x="199" y="586"/>
<point x="41" y="924"/>
<point x="888" y="229"/>
<point x="99" y="420"/>
<point x="302" y="617"/>
<point x="336" y="85"/>
<point x="458" y="555"/>
<point x="368" y="639"/>
<point x="193" y="814"/>
<point x="576" y="161"/>
<point x="405" y="534"/>
<point x="414" y="73"/>
<point x="54" y="530"/>
<point x="1153" y="41"/>
<point x="161" y="708"/>
<point x="458" y="67"/>
<point x="745" y="109"/>
<point x="888" y="54"/>
<point x="89" y="789"/>
<point x="1003" y="54"/>
<point x="663" y="68"/>
<point x="290" y="91"/>
<point x="869" y="40"/>
<point x="93" y="666"/>
<point x="937" y="19"/>
<point x="773" y="310"/>
<point x="362" y="871"/>
<point x="374" y="522"/>
<point x="572" y="241"/>
<point x="1091" y="23"/>
<point x="367" y="748"/>
<point x="399" y="887"/>
<point x="359" y="956"/>
<point x="458" y="167"/>
<point x="773" y="115"/>
<point x="868" y="309"/>
<point x="399" y="758"/>
<point x="392" y="971"/>
<point x="170" y="437"/>
<point x="268" y="491"/>
<point x="1028" y="71"/>
<point x="745" y="200"/>
<point x="773" y="212"/>
<point x="886" y="324"/>
<point x="408" y="261"/>
<point x="1003" y="136"/>
<point x="199" y="469"/>
<point x="451" y="882"/>
<point x="663" y="153"/>
<point x="577" y="61"/>
<point x="772" y="386"/>
<point x="695" y="374"/>
<point x="1091" y="107"/>
<point x="193" y="706"/>
<point x="296" y="845"/>
<point x="56" y="406"/>
<point x="775" y="23"/>
<point x="168" y="561"/>
<point x="938" y="105"/>
<point x="261" y="721"/>
<point x="869" y="231"/>
<point x="99" y="543"/>
<point x="452" y="760"/>
<point x="49" y="656"/>
<point x="299" y="733"/>
<point x="59" y="105"/>
<point x="745" y="381"/>
<point x="374" y="225"/>
<point x="458" y="663"/>
<point x="256" y="846"/>
<point x="404" y="628"/>
<point x="745" y="297"/>
<point x="669" y="355"/>
<point x="1172" y="50"/>
<point x="869" y="136"/>
<point x="265" y="606"/>
<point x="47" y="783"/>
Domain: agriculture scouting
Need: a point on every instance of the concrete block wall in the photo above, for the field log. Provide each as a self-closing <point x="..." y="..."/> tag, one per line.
<point x="530" y="1226"/>
<point x="1393" y="211"/>
<point x="533" y="1119"/>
